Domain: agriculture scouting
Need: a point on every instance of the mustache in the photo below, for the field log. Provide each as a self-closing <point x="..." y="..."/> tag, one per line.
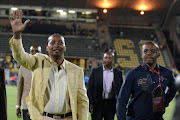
<point x="107" y="63"/>
<point x="149" y="57"/>
<point x="56" y="49"/>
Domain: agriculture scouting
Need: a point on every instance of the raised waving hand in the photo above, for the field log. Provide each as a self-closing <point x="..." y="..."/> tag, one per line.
<point x="16" y="23"/>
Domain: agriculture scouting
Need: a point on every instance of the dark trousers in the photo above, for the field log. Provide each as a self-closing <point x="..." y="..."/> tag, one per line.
<point x="106" y="110"/>
<point x="157" y="116"/>
<point x="25" y="115"/>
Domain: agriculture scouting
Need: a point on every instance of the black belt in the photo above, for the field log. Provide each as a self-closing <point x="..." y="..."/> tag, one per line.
<point x="57" y="115"/>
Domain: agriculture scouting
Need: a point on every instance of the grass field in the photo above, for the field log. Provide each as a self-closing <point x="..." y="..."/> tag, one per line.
<point x="11" y="103"/>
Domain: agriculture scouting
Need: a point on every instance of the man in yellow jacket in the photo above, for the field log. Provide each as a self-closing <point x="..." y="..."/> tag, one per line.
<point x="57" y="89"/>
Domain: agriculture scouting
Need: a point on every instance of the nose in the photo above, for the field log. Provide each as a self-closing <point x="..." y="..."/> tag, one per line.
<point x="57" y="44"/>
<point x="149" y="52"/>
<point x="33" y="52"/>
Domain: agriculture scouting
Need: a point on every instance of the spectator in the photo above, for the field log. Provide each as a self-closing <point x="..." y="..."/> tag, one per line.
<point x="90" y="64"/>
<point x="103" y="87"/>
<point x="23" y="87"/>
<point x="13" y="79"/>
<point x="3" y="99"/>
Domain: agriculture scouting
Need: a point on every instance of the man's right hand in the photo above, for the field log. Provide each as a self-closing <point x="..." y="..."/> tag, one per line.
<point x="18" y="112"/>
<point x="16" y="23"/>
<point x="91" y="108"/>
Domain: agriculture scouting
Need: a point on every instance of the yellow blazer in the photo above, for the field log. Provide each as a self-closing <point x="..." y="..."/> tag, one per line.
<point x="41" y="66"/>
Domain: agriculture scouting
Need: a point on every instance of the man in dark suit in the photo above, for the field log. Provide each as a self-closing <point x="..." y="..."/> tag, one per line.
<point x="3" y="101"/>
<point x="176" y="115"/>
<point x="103" y="88"/>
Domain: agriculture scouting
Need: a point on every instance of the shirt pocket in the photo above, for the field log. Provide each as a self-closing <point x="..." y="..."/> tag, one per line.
<point x="144" y="84"/>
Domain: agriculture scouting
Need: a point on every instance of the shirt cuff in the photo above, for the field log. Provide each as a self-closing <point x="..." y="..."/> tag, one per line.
<point x="14" y="40"/>
<point x="17" y="106"/>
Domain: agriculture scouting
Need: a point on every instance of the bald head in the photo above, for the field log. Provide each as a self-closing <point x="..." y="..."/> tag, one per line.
<point x="56" y="35"/>
<point x="35" y="49"/>
<point x="150" y="53"/>
<point x="108" y="60"/>
<point x="56" y="47"/>
<point x="109" y="53"/>
<point x="151" y="43"/>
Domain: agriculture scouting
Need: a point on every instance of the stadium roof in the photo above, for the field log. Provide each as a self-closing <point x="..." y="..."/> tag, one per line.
<point x="139" y="5"/>
<point x="145" y="5"/>
<point x="160" y="9"/>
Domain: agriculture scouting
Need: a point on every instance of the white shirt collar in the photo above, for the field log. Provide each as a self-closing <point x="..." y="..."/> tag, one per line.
<point x="105" y="69"/>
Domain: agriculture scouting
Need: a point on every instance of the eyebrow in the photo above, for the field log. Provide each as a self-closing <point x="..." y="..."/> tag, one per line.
<point x="149" y="49"/>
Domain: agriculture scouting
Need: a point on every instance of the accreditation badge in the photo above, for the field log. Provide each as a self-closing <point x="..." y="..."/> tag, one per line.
<point x="158" y="99"/>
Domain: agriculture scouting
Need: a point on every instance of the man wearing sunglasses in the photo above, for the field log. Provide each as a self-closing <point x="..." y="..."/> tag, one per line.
<point x="144" y="89"/>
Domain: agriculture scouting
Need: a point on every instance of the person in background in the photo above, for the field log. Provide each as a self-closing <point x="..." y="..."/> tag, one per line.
<point x="3" y="99"/>
<point x="86" y="79"/>
<point x="144" y="89"/>
<point x="176" y="115"/>
<point x="103" y="88"/>
<point x="23" y="87"/>
<point x="13" y="79"/>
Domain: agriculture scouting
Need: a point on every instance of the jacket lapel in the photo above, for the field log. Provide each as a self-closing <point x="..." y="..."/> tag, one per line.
<point x="101" y="76"/>
<point x="114" y="72"/>
<point x="70" y="74"/>
<point x="71" y="86"/>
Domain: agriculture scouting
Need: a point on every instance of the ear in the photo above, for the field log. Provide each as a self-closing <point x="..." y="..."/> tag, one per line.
<point x="64" y="48"/>
<point x="47" y="48"/>
<point x="141" y="55"/>
<point x="158" y="54"/>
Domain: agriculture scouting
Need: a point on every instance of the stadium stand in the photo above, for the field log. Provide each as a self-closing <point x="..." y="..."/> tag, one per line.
<point x="77" y="46"/>
<point x="121" y="30"/>
<point x="89" y="35"/>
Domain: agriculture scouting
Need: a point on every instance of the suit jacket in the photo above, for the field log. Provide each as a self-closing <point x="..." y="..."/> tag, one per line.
<point x="41" y="66"/>
<point x="3" y="100"/>
<point x="95" y="85"/>
<point x="23" y="87"/>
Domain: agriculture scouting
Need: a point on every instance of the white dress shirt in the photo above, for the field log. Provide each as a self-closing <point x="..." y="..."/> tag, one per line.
<point x="108" y="77"/>
<point x="56" y="93"/>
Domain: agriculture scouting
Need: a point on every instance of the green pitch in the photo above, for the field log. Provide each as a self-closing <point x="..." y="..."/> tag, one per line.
<point x="11" y="105"/>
